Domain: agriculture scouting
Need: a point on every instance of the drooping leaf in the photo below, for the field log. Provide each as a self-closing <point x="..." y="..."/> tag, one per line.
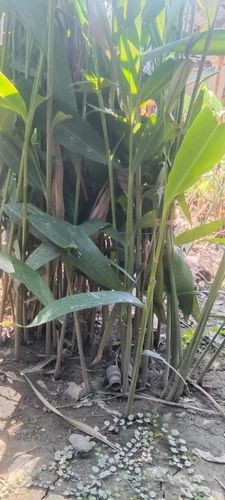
<point x="200" y="232"/>
<point x="202" y="148"/>
<point x="75" y="303"/>
<point x="42" y="255"/>
<point x="82" y="251"/>
<point x="10" y="97"/>
<point x="157" y="356"/>
<point x="24" y="274"/>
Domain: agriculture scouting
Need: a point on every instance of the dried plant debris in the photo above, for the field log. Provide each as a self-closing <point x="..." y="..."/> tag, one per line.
<point x="129" y="468"/>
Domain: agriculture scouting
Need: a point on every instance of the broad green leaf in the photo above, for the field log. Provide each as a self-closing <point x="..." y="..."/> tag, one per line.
<point x="185" y="285"/>
<point x="7" y="120"/>
<point x="202" y="148"/>
<point x="10" y="154"/>
<point x="198" y="233"/>
<point x="82" y="251"/>
<point x="24" y="274"/>
<point x="42" y="255"/>
<point x="35" y="21"/>
<point x="148" y="220"/>
<point x="75" y="303"/>
<point x="10" y="97"/>
<point x="78" y="136"/>
<point x="159" y="80"/>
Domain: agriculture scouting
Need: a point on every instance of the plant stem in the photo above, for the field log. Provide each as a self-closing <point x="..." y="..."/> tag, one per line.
<point x="211" y="361"/>
<point x="60" y="348"/>
<point x="168" y="340"/>
<point x="49" y="136"/>
<point x="176" y="344"/>
<point x="78" y="334"/>
<point x="147" y="346"/>
<point x="145" y="314"/>
<point x="129" y="262"/>
<point x="203" y="354"/>
<point x="107" y="145"/>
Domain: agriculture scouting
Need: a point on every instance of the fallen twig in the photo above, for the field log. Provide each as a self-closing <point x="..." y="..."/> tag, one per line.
<point x="40" y="366"/>
<point x="168" y="403"/>
<point x="221" y="484"/>
<point x="87" y="429"/>
<point x="217" y="406"/>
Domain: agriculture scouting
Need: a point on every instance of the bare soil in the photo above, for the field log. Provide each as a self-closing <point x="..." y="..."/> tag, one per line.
<point x="30" y="435"/>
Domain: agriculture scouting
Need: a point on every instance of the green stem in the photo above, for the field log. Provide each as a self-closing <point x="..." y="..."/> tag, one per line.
<point x="203" y="354"/>
<point x="5" y="41"/>
<point x="107" y="145"/>
<point x="25" y="153"/>
<point x="49" y="135"/>
<point x="145" y="314"/>
<point x="129" y="261"/>
<point x="211" y="361"/>
<point x="168" y="340"/>
<point x="176" y="344"/>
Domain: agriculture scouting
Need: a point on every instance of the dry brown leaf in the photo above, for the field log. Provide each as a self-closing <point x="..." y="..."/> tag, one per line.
<point x="101" y="206"/>
<point x="58" y="208"/>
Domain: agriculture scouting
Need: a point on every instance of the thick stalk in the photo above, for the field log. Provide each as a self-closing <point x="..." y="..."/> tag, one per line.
<point x="145" y="314"/>
<point x="129" y="261"/>
<point x="5" y="41"/>
<point x="25" y="153"/>
<point x="60" y="348"/>
<point x="147" y="346"/>
<point x="49" y="137"/>
<point x="168" y="340"/>
<point x="176" y="344"/>
<point x="138" y="186"/>
<point x="188" y="357"/>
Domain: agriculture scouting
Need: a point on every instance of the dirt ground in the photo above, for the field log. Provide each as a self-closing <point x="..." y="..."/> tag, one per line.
<point x="30" y="436"/>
